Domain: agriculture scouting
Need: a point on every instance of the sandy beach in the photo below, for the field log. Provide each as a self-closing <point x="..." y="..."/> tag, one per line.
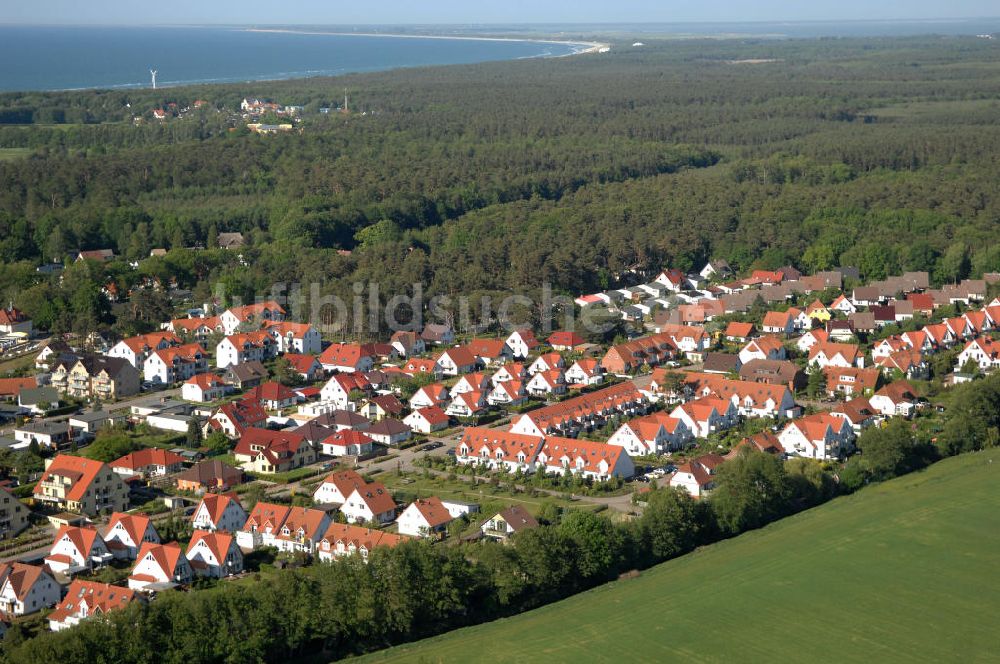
<point x="579" y="47"/>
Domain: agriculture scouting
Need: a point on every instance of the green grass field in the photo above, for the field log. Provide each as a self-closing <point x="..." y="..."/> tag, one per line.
<point x="906" y="571"/>
<point x="9" y="154"/>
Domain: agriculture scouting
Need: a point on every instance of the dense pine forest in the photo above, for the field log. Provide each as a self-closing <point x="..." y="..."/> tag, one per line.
<point x="489" y="178"/>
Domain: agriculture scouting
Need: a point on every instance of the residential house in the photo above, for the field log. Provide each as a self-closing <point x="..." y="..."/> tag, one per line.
<point x="342" y="540"/>
<point x="547" y="383"/>
<point x="341" y="387"/>
<point x="389" y="432"/>
<point x="135" y="350"/>
<point x="371" y="503"/>
<point x="346" y="358"/>
<point x="245" y="376"/>
<point x="77" y="548"/>
<point x="381" y="406"/>
<point x="819" y="436"/>
<point x="844" y="305"/>
<point x="148" y="462"/>
<point x="810" y="339"/>
<point x="81" y="485"/>
<point x="337" y="487"/>
<point x="474" y="382"/>
<point x="706" y="415"/>
<point x="563" y="340"/>
<point x="721" y="363"/>
<point x="774" y="372"/>
<point x="214" y="554"/>
<point x="428" y="420"/>
<point x="25" y="589"/>
<point x="522" y="343"/>
<point x="490" y="352"/>
<point x="437" y="334"/>
<point x="779" y="322"/>
<point x="407" y="344"/>
<point x="435" y="394"/>
<point x="456" y="361"/>
<point x="307" y="367"/>
<point x="38" y="400"/>
<point x="294" y="337"/>
<point x="598" y="461"/>
<point x="250" y="317"/>
<point x="13" y="321"/>
<point x="219" y="512"/>
<point x="85" y="599"/>
<point x="209" y="475"/>
<point x="858" y="413"/>
<point x="199" y="329"/>
<point x="418" y="366"/>
<point x="237" y="417"/>
<point x="508" y="393"/>
<point x="467" y="404"/>
<point x="245" y="347"/>
<point x="13" y="515"/>
<point x="273" y="396"/>
<point x="830" y="354"/>
<point x="984" y="352"/>
<point x="655" y="433"/>
<point x="585" y="372"/>
<point x="908" y="363"/>
<point x="497" y="449"/>
<point x="585" y="412"/>
<point x="546" y="362"/>
<point x="175" y="364"/>
<point x="426" y="518"/>
<point x="347" y="443"/>
<point x="301" y="530"/>
<point x="203" y="387"/>
<point x="262" y="526"/>
<point x="510" y="371"/>
<point x="160" y="566"/>
<point x="266" y="451"/>
<point x="126" y="533"/>
<point x="851" y="381"/>
<point x="898" y="398"/>
<point x="763" y="348"/>
<point x="97" y="377"/>
<point x="505" y="524"/>
<point x="739" y="332"/>
<point x="697" y="477"/>
<point x="49" y="435"/>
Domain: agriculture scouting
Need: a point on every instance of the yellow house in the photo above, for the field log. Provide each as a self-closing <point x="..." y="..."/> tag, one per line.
<point x="80" y="485"/>
<point x="13" y="515"/>
<point x="818" y="311"/>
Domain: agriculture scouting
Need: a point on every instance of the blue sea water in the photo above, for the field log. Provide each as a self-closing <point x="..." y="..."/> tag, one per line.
<point x="59" y="58"/>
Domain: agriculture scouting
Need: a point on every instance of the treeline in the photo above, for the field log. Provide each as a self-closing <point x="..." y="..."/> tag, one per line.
<point x="325" y="612"/>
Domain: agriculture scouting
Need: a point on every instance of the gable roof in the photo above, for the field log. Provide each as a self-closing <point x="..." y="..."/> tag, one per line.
<point x="149" y="456"/>
<point x="216" y="505"/>
<point x="167" y="556"/>
<point x="79" y="470"/>
<point x="99" y="598"/>
<point x="135" y="525"/>
<point x="432" y="510"/>
<point x="217" y="542"/>
<point x="207" y="472"/>
<point x="376" y="497"/>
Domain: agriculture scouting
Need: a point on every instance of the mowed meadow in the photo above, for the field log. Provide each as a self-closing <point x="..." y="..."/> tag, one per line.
<point x="905" y="571"/>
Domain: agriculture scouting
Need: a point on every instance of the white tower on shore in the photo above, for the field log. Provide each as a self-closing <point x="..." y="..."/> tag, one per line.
<point x="152" y="73"/>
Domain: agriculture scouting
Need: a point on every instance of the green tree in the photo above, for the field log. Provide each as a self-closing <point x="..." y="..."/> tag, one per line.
<point x="672" y="524"/>
<point x="887" y="450"/>
<point x="599" y="543"/>
<point x="193" y="437"/>
<point x="750" y="490"/>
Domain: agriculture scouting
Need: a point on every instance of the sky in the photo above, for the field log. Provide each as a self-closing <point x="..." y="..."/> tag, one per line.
<point x="343" y="12"/>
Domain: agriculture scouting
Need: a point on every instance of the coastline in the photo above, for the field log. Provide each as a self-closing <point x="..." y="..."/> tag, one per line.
<point x="590" y="47"/>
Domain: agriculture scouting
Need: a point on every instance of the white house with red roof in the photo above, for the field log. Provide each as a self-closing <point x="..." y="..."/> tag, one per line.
<point x="546" y="383"/>
<point x="779" y="322"/>
<point x="371" y="503"/>
<point x="467" y="404"/>
<point x="251" y="316"/>
<point x="263" y="523"/>
<point x="427" y="420"/>
<point x="199" y="329"/>
<point x="346" y="358"/>
<point x="337" y="487"/>
<point x="339" y="388"/>
<point x="219" y="512"/>
<point x="306" y="366"/>
<point x="136" y="349"/>
<point x="763" y="348"/>
<point x="424" y="517"/>
<point x="984" y="351"/>
<point x="273" y="395"/>
<point x="587" y="371"/>
<point x="175" y="364"/>
<point x="598" y="461"/>
<point x="522" y="343"/>
<point x="473" y="382"/>
<point x="126" y="533"/>
<point x="347" y="443"/>
<point x="245" y="347"/>
<point x="510" y="371"/>
<point x="86" y="599"/>
<point x="203" y="387"/>
<point x="652" y="434"/>
<point x="697" y="477"/>
<point x="496" y="449"/>
<point x="810" y="339"/>
<point x="508" y="393"/>
<point x="898" y="398"/>
<point x="565" y="340"/>
<point x="301" y="530"/>
<point x="830" y="354"/>
<point x="819" y="436"/>
<point x="214" y="554"/>
<point x="546" y="362"/>
<point x="295" y="337"/>
<point x="435" y="394"/>
<point x="706" y="415"/>
<point x="456" y="361"/>
<point x="148" y="462"/>
<point x="25" y="589"/>
<point x="419" y="365"/>
<point x="160" y="566"/>
<point x="77" y="548"/>
<point x="236" y="417"/>
<point x="844" y="305"/>
<point x="343" y="540"/>
<point x="407" y="343"/>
